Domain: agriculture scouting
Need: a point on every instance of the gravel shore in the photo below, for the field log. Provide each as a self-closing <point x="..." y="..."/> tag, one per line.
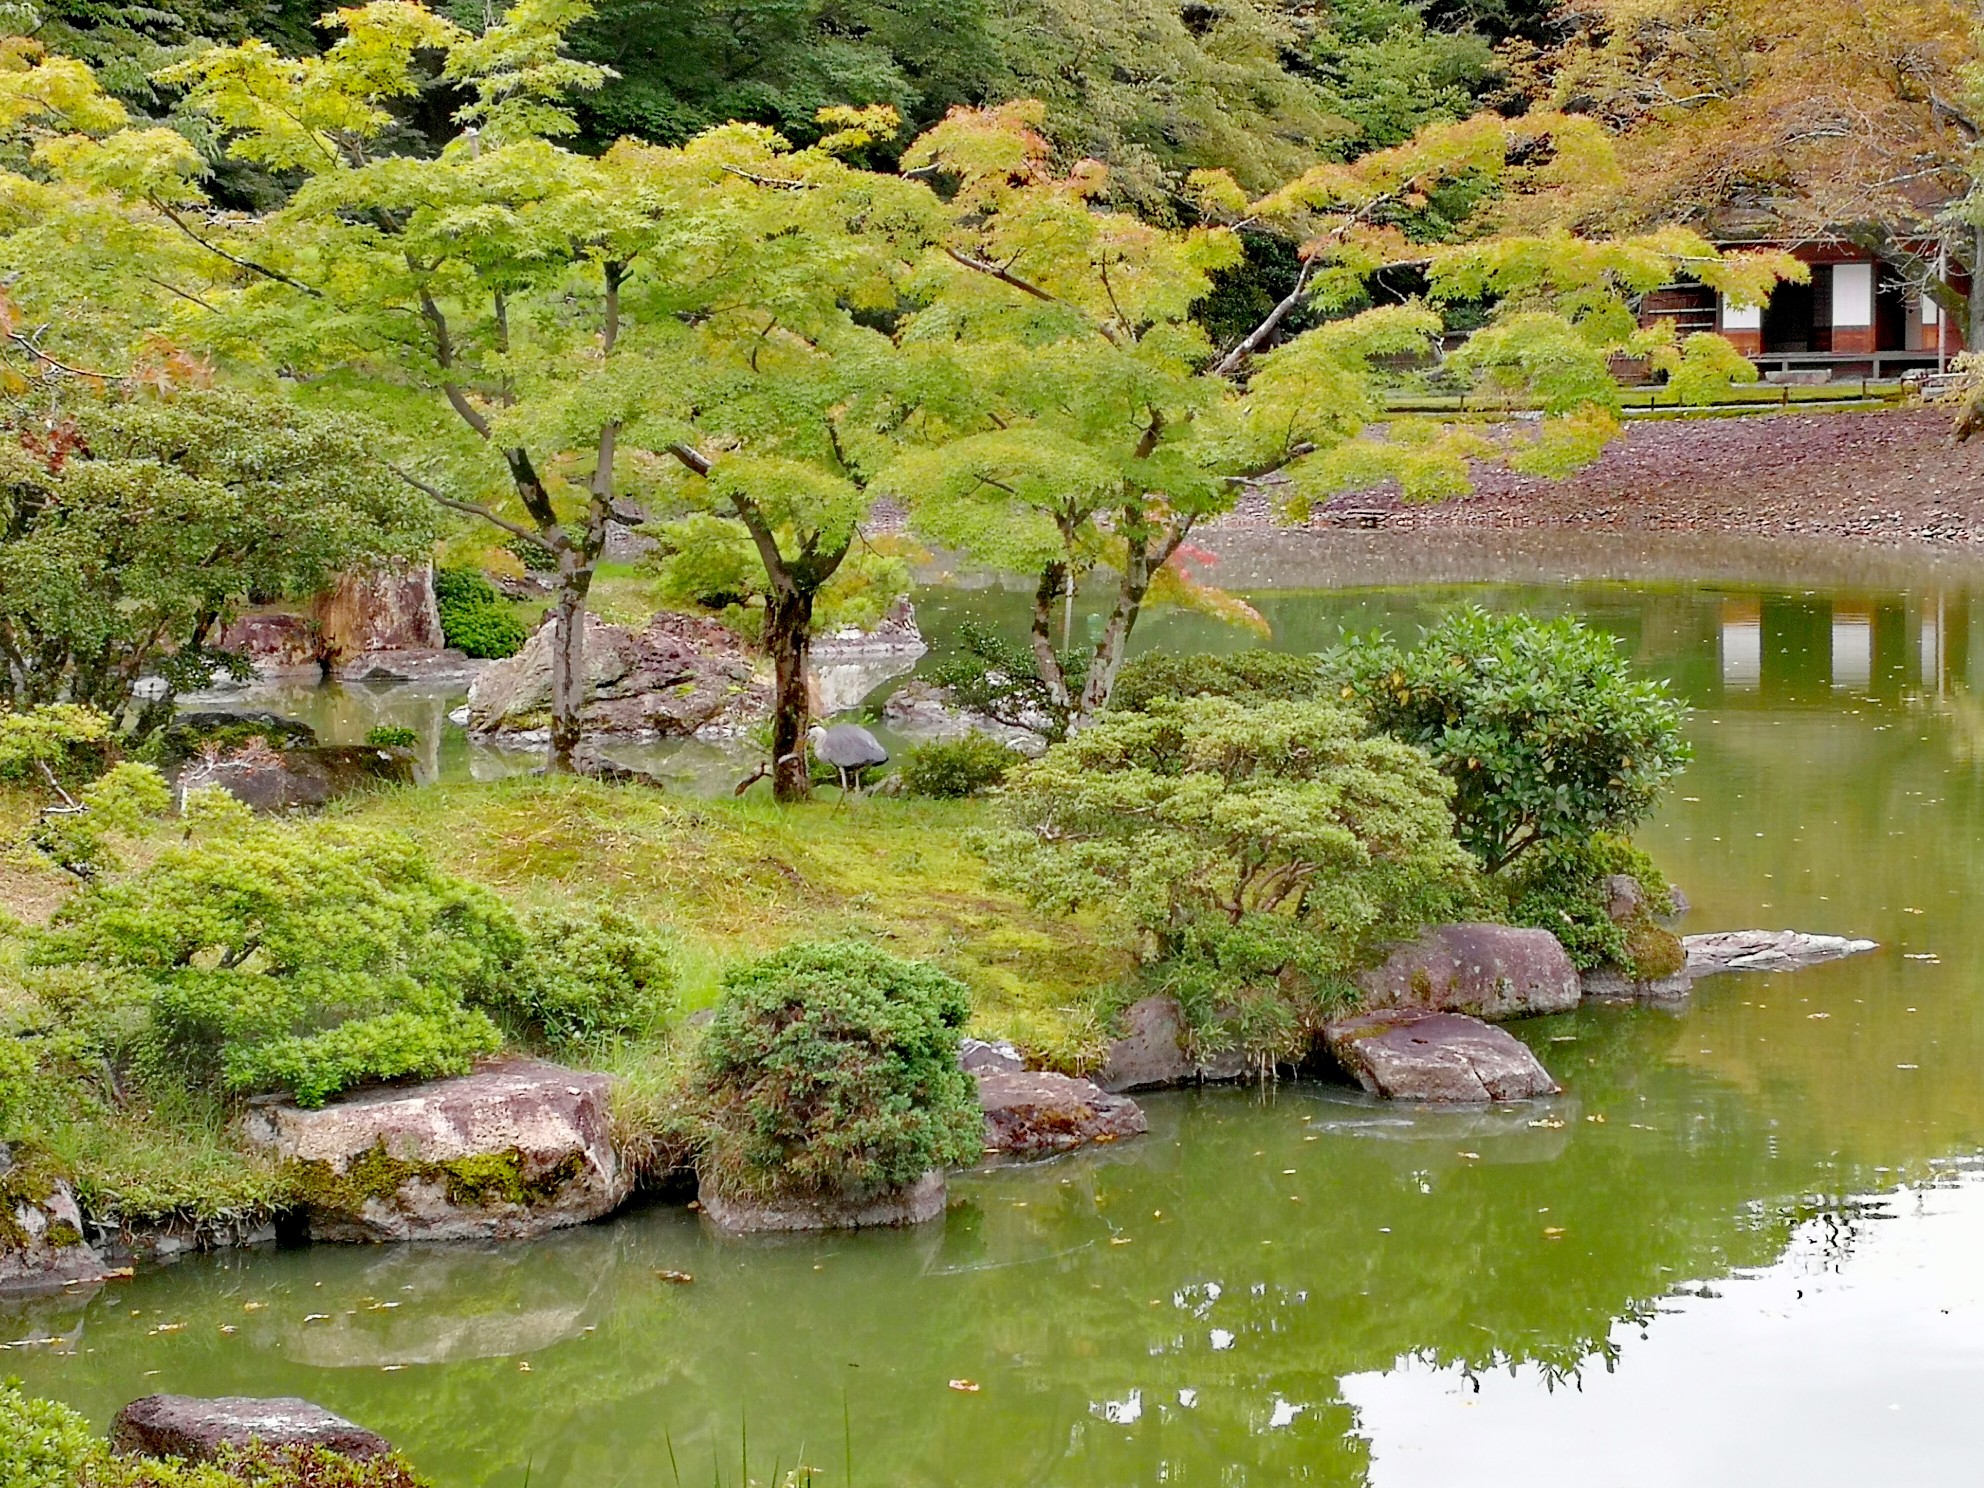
<point x="1883" y="477"/>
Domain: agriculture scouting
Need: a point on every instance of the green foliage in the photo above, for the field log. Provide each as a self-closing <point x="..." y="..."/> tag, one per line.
<point x="1562" y="888"/>
<point x="705" y="561"/>
<point x="302" y="957"/>
<point x="1705" y="368"/>
<point x="587" y="978"/>
<point x="44" y="1444"/>
<point x="834" y="1066"/>
<point x="955" y="768"/>
<point x="132" y="531"/>
<point x="254" y="1467"/>
<point x="1256" y="676"/>
<point x="392" y="736"/>
<point x="988" y="674"/>
<point x="474" y="617"/>
<point x="1540" y="725"/>
<point x="68" y="741"/>
<point x="1388" y="72"/>
<point x="77" y="835"/>
<point x="1277" y="840"/>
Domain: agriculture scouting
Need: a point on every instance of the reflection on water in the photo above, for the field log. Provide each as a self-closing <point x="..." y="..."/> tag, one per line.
<point x="1670" y="1274"/>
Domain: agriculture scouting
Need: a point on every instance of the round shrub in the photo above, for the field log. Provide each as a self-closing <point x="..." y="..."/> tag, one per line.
<point x="474" y="617"/>
<point x="954" y="768"/>
<point x="590" y="977"/>
<point x="1250" y="676"/>
<point x="833" y="1067"/>
<point x="44" y="1444"/>
<point x="392" y="736"/>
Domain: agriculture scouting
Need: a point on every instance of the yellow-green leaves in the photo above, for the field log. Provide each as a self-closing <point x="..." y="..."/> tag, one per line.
<point x="521" y="78"/>
<point x="40" y="92"/>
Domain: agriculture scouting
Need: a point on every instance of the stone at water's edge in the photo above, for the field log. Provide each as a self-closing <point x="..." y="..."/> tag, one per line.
<point x="1422" y="1055"/>
<point x="42" y="1243"/>
<point x="1766" y="950"/>
<point x="292" y="779"/>
<point x="516" y="1148"/>
<point x="921" y="1201"/>
<point x="385" y="610"/>
<point x="1031" y="1114"/>
<point x="989" y="1057"/>
<point x="679" y="675"/>
<point x="1490" y="971"/>
<point x="922" y="710"/>
<point x="194" y="1429"/>
<point x="1155" y="1050"/>
<point x="1609" y="984"/>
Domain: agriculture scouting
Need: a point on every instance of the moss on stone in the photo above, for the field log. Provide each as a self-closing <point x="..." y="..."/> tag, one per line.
<point x="31" y="1182"/>
<point x="1652" y="952"/>
<point x="479" y="1181"/>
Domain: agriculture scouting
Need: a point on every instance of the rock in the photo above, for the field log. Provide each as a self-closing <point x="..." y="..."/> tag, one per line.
<point x="276" y="643"/>
<point x="989" y="1057"/>
<point x="383" y="610"/>
<point x="1625" y="898"/>
<point x="1490" y="971"/>
<point x="1425" y="1055"/>
<point x="42" y="1241"/>
<point x="859" y="1209"/>
<point x="516" y="1148"/>
<point x="922" y="710"/>
<point x="679" y="676"/>
<point x="409" y="666"/>
<point x="1031" y="1114"/>
<point x="288" y="779"/>
<point x="194" y="1429"/>
<point x="1155" y="1050"/>
<point x="189" y="730"/>
<point x="1766" y="950"/>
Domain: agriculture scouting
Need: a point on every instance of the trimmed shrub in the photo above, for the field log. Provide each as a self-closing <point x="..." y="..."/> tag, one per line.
<point x="474" y="617"/>
<point x="44" y="1444"/>
<point x="951" y="769"/>
<point x="586" y="978"/>
<point x="302" y="957"/>
<point x="1258" y="844"/>
<point x="834" y="1066"/>
<point x="1251" y="676"/>
<point x="1539" y="724"/>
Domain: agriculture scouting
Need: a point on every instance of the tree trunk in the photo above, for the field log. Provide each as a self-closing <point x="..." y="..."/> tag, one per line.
<point x="788" y="638"/>
<point x="1973" y="339"/>
<point x="1144" y="558"/>
<point x="1053" y="577"/>
<point x="568" y="661"/>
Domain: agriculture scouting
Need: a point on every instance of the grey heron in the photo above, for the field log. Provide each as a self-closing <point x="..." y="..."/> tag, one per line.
<point x="849" y="748"/>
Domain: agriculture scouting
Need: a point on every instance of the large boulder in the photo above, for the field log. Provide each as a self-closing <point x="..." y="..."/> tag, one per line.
<point x="42" y="1242"/>
<point x="855" y="1209"/>
<point x="516" y="1148"/>
<point x="382" y="610"/>
<point x="288" y="779"/>
<point x="1766" y="950"/>
<point x="1424" y="1055"/>
<point x="194" y="1429"/>
<point x="681" y="675"/>
<point x="1033" y="1113"/>
<point x="278" y="644"/>
<point x="1490" y="971"/>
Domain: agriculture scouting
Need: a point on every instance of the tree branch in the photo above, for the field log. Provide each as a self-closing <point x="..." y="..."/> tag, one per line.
<point x="240" y="263"/>
<point x="455" y="504"/>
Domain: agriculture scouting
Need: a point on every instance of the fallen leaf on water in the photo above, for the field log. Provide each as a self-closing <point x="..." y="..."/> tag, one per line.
<point x="1471" y="1156"/>
<point x="1549" y="1123"/>
<point x="679" y="1278"/>
<point x="523" y="1366"/>
<point x="965" y="1387"/>
<point x="1553" y="1232"/>
<point x="227" y="1327"/>
<point x="253" y="1306"/>
<point x="1908" y="1066"/>
<point x="120" y="1273"/>
<point x="318" y="1317"/>
<point x="1818" y="1015"/>
<point x="1119" y="1239"/>
<point x="168" y="1327"/>
<point x="1598" y="1117"/>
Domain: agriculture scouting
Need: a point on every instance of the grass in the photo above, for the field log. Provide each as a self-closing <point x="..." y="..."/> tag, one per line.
<point x="737" y="878"/>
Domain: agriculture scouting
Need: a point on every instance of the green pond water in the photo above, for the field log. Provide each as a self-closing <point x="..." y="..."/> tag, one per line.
<point x="1742" y="1247"/>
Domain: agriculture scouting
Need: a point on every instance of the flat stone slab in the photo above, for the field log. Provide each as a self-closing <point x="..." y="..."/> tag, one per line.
<point x="921" y="1201"/>
<point x="1767" y="950"/>
<point x="1033" y="1114"/>
<point x="553" y="1124"/>
<point x="1609" y="984"/>
<point x="1420" y="1055"/>
<point x="195" y="1429"/>
<point x="1492" y="972"/>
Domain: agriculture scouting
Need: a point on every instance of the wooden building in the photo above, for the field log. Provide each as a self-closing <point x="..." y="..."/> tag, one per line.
<point x="1857" y="317"/>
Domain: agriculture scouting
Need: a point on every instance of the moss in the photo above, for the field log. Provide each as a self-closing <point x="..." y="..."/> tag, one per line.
<point x="480" y="1181"/>
<point x="30" y="1183"/>
<point x="1651" y="952"/>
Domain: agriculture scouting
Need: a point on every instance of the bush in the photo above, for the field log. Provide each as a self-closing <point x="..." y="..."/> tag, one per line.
<point x="951" y="769"/>
<point x="1251" y="676"/>
<point x="592" y="977"/>
<point x="72" y="743"/>
<point x="302" y="957"/>
<point x="1562" y="888"/>
<point x="474" y="617"/>
<point x="1539" y="724"/>
<point x="392" y="736"/>
<point x="1704" y="368"/>
<point x="1001" y="679"/>
<point x="832" y="1067"/>
<point x="1271" y="843"/>
<point x="705" y="561"/>
<point x="43" y="1444"/>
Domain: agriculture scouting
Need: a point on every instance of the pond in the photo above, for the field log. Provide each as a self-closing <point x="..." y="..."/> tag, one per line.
<point x="1740" y="1247"/>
